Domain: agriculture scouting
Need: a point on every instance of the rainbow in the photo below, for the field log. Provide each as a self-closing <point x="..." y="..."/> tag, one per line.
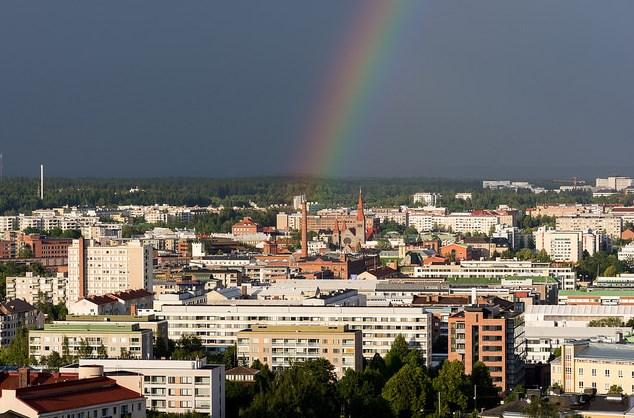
<point x="349" y="85"/>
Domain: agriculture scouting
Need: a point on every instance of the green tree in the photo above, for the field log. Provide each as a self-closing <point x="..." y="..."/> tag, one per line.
<point x="454" y="387"/>
<point x="610" y="321"/>
<point x="407" y="391"/>
<point x="189" y="347"/>
<point x="395" y="358"/>
<point x="53" y="361"/>
<point x="84" y="350"/>
<point x="17" y="352"/>
<point x="304" y="390"/>
<point x="540" y="408"/>
<point x="102" y="351"/>
<point x="615" y="390"/>
<point x="485" y="393"/>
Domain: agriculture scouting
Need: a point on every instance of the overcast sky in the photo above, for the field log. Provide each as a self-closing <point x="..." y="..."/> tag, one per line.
<point x="481" y="88"/>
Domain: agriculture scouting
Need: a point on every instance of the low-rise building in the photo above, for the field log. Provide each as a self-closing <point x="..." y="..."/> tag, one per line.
<point x="602" y="296"/>
<point x="89" y="397"/>
<point x="172" y="386"/>
<point x="117" y="340"/>
<point x="585" y="365"/>
<point x="281" y="346"/>
<point x="119" y="303"/>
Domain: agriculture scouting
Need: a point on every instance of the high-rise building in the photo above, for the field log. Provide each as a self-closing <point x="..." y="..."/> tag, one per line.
<point x="98" y="270"/>
<point x="491" y="334"/>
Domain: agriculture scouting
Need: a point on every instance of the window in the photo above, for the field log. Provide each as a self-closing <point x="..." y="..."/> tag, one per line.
<point x="594" y="372"/>
<point x="620" y="373"/>
<point x="580" y="384"/>
<point x="607" y="373"/>
<point x="594" y="385"/>
<point x="580" y="371"/>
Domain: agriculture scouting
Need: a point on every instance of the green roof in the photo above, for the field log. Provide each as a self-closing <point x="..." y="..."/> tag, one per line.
<point x="601" y="292"/>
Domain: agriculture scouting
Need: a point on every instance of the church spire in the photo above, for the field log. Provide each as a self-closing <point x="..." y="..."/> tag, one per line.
<point x="360" y="214"/>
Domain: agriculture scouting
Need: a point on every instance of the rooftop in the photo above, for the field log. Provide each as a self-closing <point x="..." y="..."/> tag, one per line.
<point x="613" y="352"/>
<point x="598" y="292"/>
<point x="308" y="329"/>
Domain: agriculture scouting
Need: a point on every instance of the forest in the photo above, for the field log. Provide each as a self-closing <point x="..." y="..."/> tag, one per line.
<point x="20" y="195"/>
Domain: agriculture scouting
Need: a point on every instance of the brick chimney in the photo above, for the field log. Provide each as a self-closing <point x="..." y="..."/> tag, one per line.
<point x="304" y="229"/>
<point x="133" y="310"/>
<point x="23" y="377"/>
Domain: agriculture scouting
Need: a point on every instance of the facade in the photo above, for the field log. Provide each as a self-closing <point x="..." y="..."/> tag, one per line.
<point x="567" y="246"/>
<point x="15" y="315"/>
<point x="541" y="342"/>
<point x="218" y="326"/>
<point x="281" y="346"/>
<point x="585" y="365"/>
<point x="626" y="253"/>
<point x="426" y="199"/>
<point x="616" y="183"/>
<point x="30" y="288"/>
<point x="45" y="247"/>
<point x="608" y="224"/>
<point x="493" y="335"/>
<point x="90" y="397"/>
<point x="173" y="386"/>
<point x="98" y="270"/>
<point x="560" y="316"/>
<point x="608" y="297"/>
<point x="119" y="339"/>
<point x="500" y="269"/>
<point x="245" y="227"/>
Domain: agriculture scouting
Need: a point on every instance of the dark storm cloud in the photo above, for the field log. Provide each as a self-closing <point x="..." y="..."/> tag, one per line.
<point x="475" y="88"/>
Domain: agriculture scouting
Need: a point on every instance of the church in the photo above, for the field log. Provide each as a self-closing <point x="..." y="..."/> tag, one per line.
<point x="351" y="238"/>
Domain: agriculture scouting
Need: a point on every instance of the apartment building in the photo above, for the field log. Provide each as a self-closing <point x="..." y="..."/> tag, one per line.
<point x="81" y="398"/>
<point x="541" y="342"/>
<point x="98" y="270"/>
<point x="119" y="303"/>
<point x="608" y="297"/>
<point x="218" y="325"/>
<point x="500" y="269"/>
<point x="567" y="246"/>
<point x="560" y="316"/>
<point x="121" y="340"/>
<point x="493" y="335"/>
<point x="15" y="315"/>
<point x="608" y="224"/>
<point x="31" y="288"/>
<point x="45" y="247"/>
<point x="172" y="386"/>
<point x="426" y="199"/>
<point x="617" y="183"/>
<point x="282" y="345"/>
<point x="586" y="365"/>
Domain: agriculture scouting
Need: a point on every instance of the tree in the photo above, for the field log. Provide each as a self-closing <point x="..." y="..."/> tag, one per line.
<point x="189" y="347"/>
<point x="53" y="361"/>
<point x="84" y="350"/>
<point x="395" y="358"/>
<point x="305" y="390"/>
<point x="102" y="351"/>
<point x="17" y="352"/>
<point x="615" y="390"/>
<point x="610" y="321"/>
<point x="540" y="408"/>
<point x="485" y="393"/>
<point x="407" y="391"/>
<point x="360" y="394"/>
<point x="454" y="387"/>
<point x="125" y="354"/>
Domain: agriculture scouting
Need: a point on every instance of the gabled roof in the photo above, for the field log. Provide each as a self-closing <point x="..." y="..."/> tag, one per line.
<point x="242" y="371"/>
<point x="16" y="306"/>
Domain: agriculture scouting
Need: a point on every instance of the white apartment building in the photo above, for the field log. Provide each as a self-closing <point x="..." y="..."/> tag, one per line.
<point x="566" y="246"/>
<point x="463" y="196"/>
<point x="217" y="325"/>
<point x="561" y="316"/>
<point x="172" y="386"/>
<point x="98" y="270"/>
<point x="427" y="199"/>
<point x="499" y="268"/>
<point x="29" y="288"/>
<point x="608" y="224"/>
<point x="626" y="253"/>
<point x="614" y="183"/>
<point x="8" y="223"/>
<point x="541" y="342"/>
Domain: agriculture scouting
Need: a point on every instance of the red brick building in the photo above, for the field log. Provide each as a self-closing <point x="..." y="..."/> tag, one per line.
<point x="456" y="252"/>
<point x="7" y="249"/>
<point x="45" y="247"/>
<point x="245" y="227"/>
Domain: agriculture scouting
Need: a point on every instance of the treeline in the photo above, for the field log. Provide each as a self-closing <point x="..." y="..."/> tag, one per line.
<point x="19" y="195"/>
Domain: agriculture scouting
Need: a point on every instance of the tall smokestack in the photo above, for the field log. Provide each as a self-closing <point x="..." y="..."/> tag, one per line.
<point x="41" y="181"/>
<point x="304" y="229"/>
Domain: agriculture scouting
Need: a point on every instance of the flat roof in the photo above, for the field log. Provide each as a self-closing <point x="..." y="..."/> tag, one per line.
<point x="614" y="352"/>
<point x="598" y="292"/>
<point x="308" y="329"/>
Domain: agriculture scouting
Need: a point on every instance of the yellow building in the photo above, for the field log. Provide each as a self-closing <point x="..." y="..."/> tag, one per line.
<point x="280" y="346"/>
<point x="584" y="365"/>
